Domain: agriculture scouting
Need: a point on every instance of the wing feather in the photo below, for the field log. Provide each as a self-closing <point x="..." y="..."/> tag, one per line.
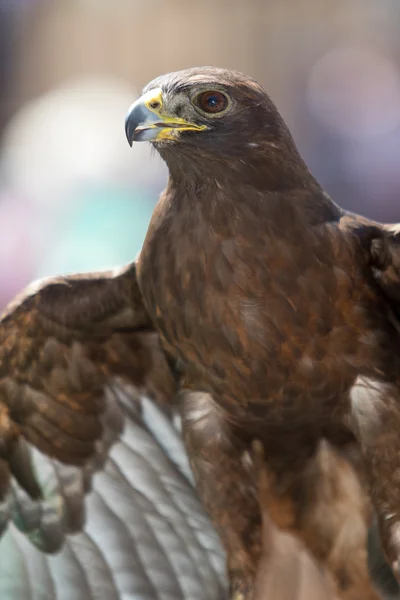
<point x="385" y="260"/>
<point x="64" y="344"/>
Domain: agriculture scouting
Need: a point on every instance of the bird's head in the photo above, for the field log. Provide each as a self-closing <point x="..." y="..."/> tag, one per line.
<point x="212" y="115"/>
<point x="204" y="105"/>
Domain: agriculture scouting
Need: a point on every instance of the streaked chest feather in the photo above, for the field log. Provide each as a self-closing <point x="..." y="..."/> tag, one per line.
<point x="219" y="296"/>
<point x="252" y="312"/>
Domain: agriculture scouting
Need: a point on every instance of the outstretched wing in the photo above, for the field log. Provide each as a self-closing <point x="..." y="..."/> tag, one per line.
<point x="146" y="534"/>
<point x="64" y="342"/>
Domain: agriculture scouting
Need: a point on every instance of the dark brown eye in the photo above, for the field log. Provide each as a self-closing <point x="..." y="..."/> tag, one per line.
<point x="212" y="101"/>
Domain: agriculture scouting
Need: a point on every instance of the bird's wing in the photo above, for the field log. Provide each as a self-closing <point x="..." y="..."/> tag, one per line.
<point x="381" y="246"/>
<point x="146" y="533"/>
<point x="64" y="342"/>
<point x="385" y="261"/>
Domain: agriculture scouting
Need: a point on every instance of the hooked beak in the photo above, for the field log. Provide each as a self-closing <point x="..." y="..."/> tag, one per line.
<point x="146" y="120"/>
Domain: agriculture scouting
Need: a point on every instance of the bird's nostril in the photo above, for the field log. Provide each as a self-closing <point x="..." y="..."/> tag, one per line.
<point x="155" y="104"/>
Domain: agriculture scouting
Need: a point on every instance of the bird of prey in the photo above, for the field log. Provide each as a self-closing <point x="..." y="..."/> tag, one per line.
<point x="273" y="313"/>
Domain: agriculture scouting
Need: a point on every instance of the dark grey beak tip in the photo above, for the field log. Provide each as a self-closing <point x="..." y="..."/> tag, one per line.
<point x="129" y="128"/>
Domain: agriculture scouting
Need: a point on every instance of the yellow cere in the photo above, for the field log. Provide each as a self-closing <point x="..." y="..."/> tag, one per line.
<point x="152" y="98"/>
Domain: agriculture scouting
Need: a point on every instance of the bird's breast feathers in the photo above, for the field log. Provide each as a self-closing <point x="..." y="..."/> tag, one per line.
<point x="259" y="309"/>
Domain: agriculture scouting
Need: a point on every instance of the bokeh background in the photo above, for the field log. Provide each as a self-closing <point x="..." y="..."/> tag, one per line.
<point x="74" y="196"/>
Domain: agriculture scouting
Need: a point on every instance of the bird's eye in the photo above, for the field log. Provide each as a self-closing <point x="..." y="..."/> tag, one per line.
<point x="212" y="101"/>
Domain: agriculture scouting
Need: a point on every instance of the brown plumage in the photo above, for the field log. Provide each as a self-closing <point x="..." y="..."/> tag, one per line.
<point x="277" y="311"/>
<point x="286" y="570"/>
<point x="63" y="345"/>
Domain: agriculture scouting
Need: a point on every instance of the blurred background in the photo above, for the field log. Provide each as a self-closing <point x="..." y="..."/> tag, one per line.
<point x="74" y="196"/>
